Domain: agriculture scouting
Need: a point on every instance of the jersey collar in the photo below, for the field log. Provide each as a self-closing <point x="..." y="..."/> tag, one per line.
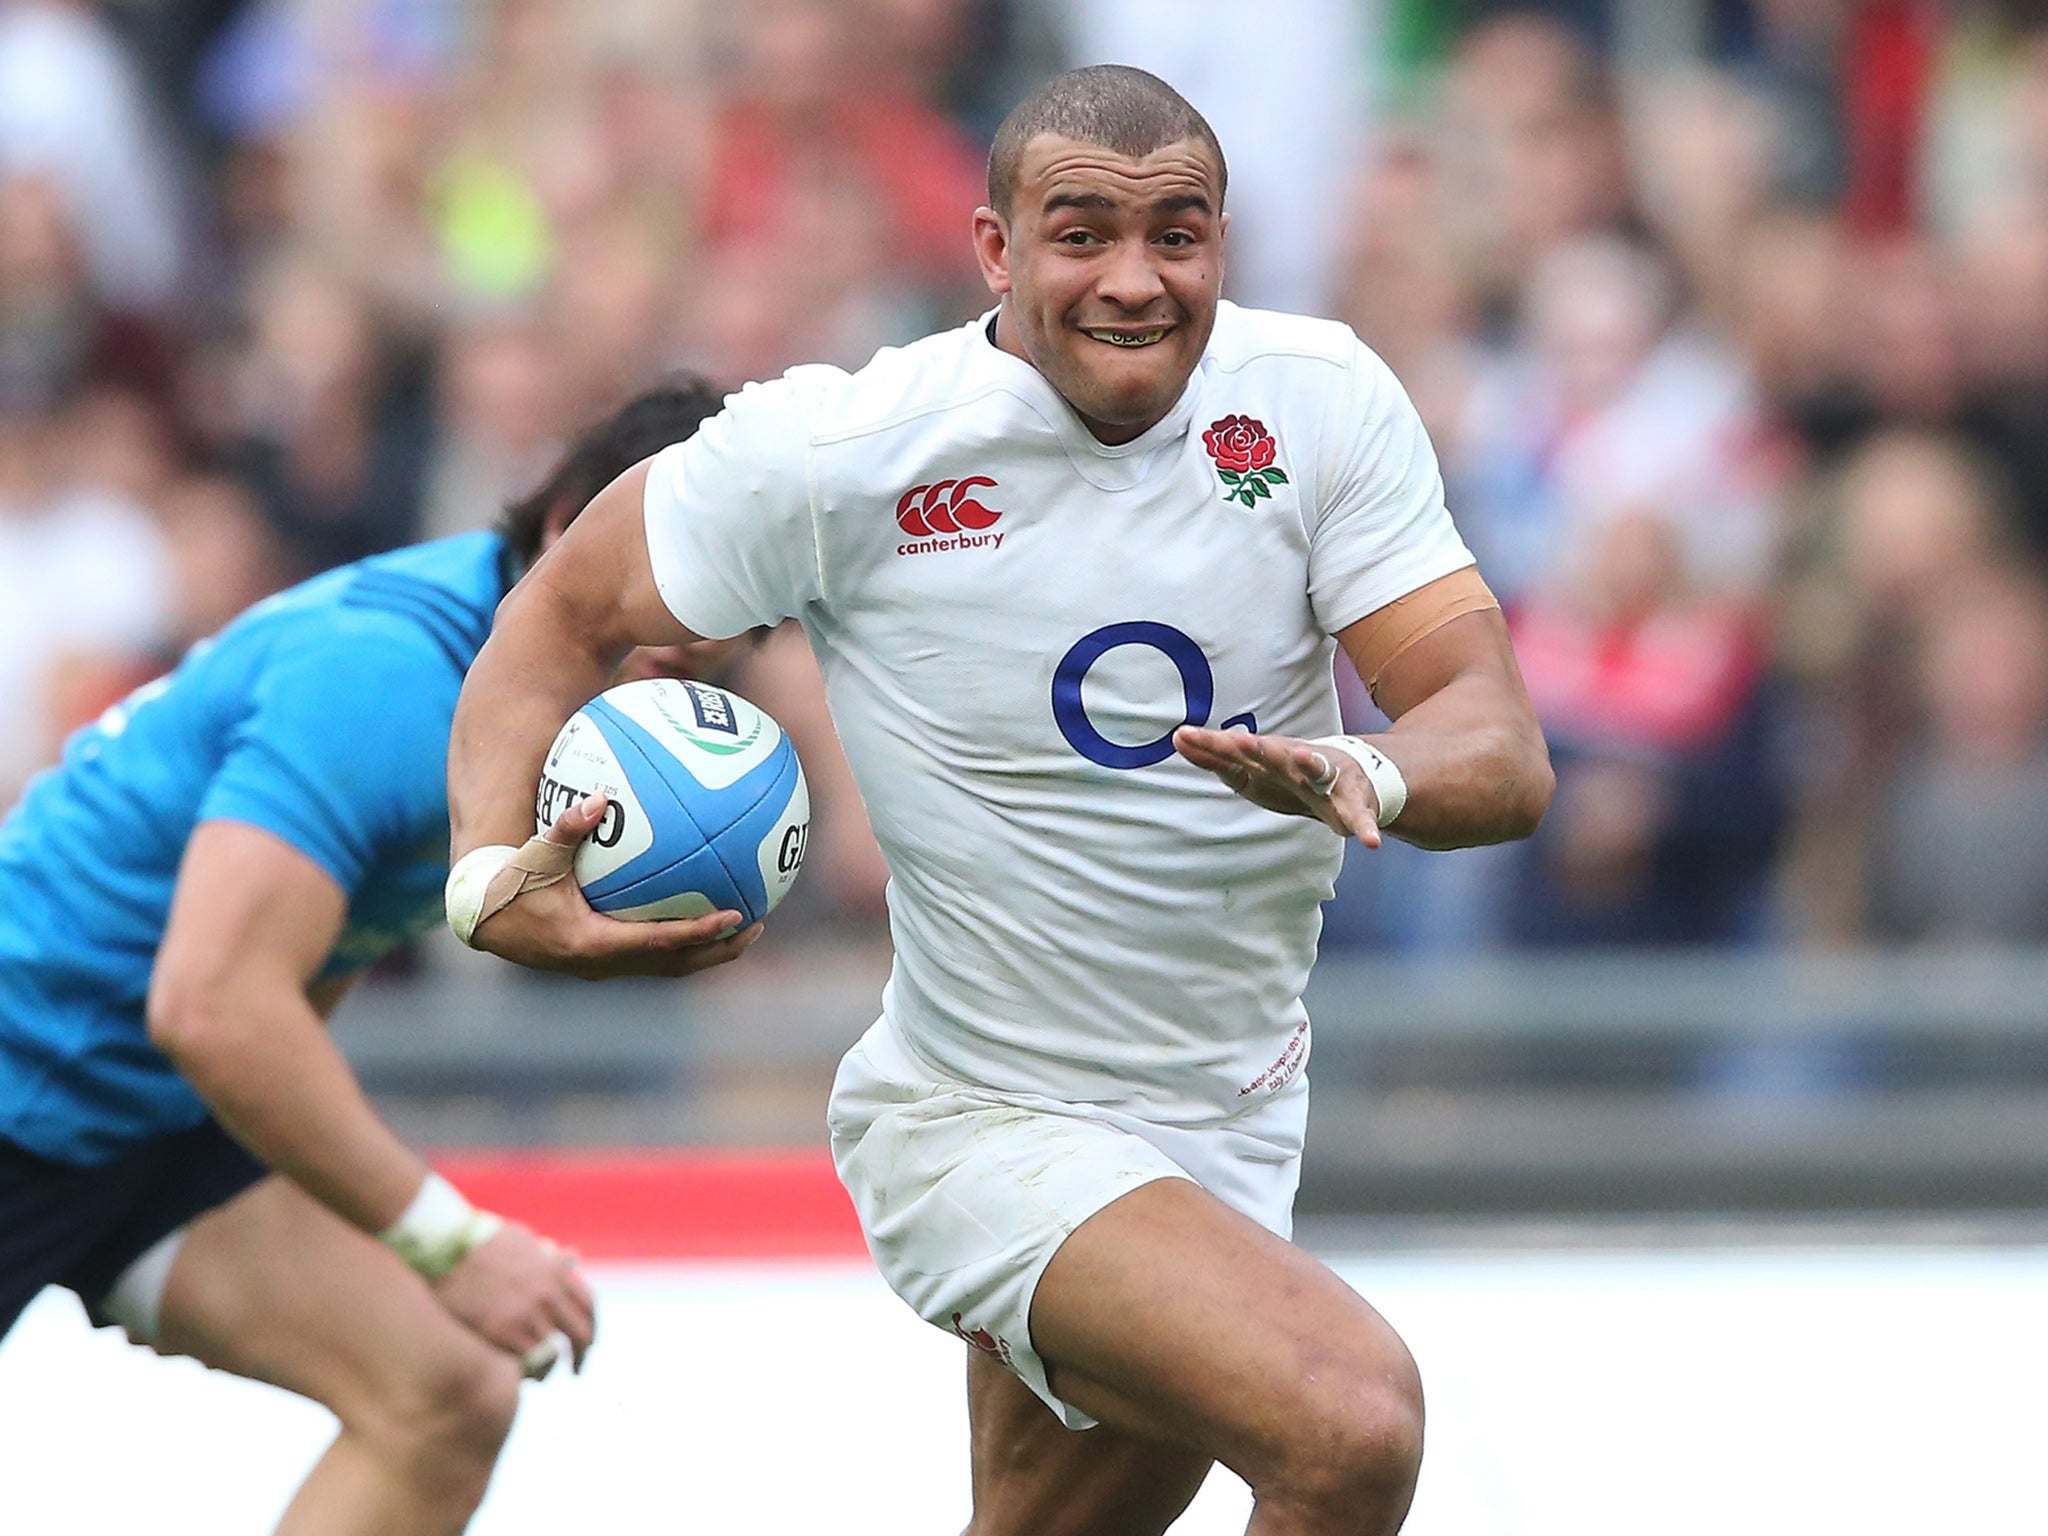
<point x="1106" y="466"/>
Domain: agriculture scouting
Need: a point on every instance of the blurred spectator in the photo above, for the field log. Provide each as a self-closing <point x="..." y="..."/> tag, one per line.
<point x="72" y="110"/>
<point x="1609" y="406"/>
<point x="1532" y="148"/>
<point x="1961" y="852"/>
<point x="331" y="419"/>
<point x="1649" y="687"/>
<point x="873" y="187"/>
<point x="86" y="591"/>
<point x="53" y="327"/>
<point x="1877" y="550"/>
<point x="500" y="416"/>
<point x="1707" y="154"/>
<point x="225" y="556"/>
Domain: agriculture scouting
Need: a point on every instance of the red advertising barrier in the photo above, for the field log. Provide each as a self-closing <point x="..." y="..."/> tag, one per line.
<point x="694" y="1204"/>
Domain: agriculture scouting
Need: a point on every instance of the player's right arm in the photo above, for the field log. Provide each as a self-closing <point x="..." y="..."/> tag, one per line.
<point x="559" y="638"/>
<point x="252" y="921"/>
<point x="718" y="529"/>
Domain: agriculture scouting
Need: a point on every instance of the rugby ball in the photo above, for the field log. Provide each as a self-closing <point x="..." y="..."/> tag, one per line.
<point x="709" y="811"/>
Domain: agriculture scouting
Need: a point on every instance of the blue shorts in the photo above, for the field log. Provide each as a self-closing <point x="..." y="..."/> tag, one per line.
<point x="81" y="1227"/>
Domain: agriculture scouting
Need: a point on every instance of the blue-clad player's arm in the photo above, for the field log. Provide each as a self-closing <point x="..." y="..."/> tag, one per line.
<point x="327" y="770"/>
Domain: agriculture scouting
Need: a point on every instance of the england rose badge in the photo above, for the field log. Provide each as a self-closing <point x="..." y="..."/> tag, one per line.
<point x="1244" y="452"/>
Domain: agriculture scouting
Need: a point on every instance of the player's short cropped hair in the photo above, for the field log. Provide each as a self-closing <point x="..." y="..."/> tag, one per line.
<point x="667" y="413"/>
<point x="1112" y="105"/>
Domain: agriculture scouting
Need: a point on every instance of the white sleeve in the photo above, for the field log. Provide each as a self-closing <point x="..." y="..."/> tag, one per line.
<point x="729" y="516"/>
<point x="1382" y="529"/>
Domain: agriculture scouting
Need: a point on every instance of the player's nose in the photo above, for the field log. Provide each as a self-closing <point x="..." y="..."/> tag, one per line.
<point x="1130" y="278"/>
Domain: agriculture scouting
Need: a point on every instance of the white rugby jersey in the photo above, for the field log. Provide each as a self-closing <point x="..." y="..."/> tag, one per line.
<point x="1013" y="618"/>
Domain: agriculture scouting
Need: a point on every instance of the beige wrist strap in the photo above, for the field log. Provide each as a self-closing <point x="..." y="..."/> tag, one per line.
<point x="485" y="881"/>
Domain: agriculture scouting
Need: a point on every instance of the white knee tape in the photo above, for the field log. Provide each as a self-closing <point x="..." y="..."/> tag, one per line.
<point x="136" y="1298"/>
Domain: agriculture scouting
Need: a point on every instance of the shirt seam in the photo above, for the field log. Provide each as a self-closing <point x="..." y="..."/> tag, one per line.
<point x="814" y="441"/>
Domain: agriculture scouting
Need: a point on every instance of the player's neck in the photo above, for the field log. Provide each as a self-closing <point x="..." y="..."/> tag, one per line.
<point x="1112" y="434"/>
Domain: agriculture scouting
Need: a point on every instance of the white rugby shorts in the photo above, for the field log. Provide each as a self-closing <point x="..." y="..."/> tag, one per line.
<point x="965" y="1193"/>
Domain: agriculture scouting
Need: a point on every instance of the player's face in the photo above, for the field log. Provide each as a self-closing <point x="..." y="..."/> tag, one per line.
<point x="1109" y="270"/>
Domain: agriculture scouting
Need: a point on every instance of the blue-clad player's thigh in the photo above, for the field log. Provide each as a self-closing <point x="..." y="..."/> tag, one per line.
<point x="82" y="1227"/>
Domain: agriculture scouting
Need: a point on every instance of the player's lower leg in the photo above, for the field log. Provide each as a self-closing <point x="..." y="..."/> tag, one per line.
<point x="275" y="1287"/>
<point x="1035" y="1477"/>
<point x="412" y="1469"/>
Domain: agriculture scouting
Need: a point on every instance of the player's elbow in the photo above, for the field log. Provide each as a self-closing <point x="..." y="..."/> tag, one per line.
<point x="1526" y="779"/>
<point x="1513" y="782"/>
<point x="188" y="1020"/>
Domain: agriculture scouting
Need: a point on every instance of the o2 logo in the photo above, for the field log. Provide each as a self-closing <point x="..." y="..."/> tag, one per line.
<point x="1197" y="682"/>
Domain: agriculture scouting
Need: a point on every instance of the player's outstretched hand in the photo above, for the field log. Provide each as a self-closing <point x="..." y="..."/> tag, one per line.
<point x="519" y="1292"/>
<point x="1288" y="775"/>
<point x="554" y="929"/>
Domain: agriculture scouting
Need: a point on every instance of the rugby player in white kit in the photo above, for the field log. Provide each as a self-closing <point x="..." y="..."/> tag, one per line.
<point x="1074" y="574"/>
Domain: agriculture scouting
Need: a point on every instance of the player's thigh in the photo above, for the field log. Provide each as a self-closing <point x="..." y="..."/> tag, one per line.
<point x="1033" y="1476"/>
<point x="276" y="1287"/>
<point x="1172" y="1316"/>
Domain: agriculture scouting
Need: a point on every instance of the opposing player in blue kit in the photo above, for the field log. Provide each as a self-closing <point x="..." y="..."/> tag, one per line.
<point x="182" y="900"/>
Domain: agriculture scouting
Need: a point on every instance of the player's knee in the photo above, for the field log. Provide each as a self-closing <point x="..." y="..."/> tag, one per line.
<point x="456" y="1406"/>
<point x="1359" y="1447"/>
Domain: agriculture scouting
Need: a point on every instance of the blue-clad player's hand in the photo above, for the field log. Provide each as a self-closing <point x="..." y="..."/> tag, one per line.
<point x="554" y="929"/>
<point x="520" y="1292"/>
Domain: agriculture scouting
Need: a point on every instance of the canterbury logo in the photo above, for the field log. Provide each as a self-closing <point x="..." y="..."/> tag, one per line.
<point x="947" y="507"/>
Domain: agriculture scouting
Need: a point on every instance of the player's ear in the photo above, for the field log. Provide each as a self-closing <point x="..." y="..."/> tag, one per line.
<point x="992" y="249"/>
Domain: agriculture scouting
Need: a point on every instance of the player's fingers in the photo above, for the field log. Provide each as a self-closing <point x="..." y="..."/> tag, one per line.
<point x="1207" y="749"/>
<point x="1279" y="760"/>
<point x="673" y="957"/>
<point x="1201" y="739"/>
<point x="601" y="942"/>
<point x="1216" y="750"/>
<point x="671" y="960"/>
<point x="576" y="1321"/>
<point x="680" y="933"/>
<point x="718" y="952"/>
<point x="540" y="1359"/>
<point x="579" y="820"/>
<point x="1353" y="806"/>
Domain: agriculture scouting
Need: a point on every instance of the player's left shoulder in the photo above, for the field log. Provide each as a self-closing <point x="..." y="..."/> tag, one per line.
<point x="1271" y="338"/>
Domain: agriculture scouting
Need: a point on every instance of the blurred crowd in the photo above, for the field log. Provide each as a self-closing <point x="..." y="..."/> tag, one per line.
<point x="1736" y="355"/>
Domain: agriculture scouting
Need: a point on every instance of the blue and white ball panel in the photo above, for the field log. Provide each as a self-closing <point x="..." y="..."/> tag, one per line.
<point x="709" y="806"/>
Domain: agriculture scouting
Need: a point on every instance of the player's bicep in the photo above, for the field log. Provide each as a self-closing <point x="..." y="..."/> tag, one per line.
<point x="1470" y="649"/>
<point x="250" y="912"/>
<point x="598" y="579"/>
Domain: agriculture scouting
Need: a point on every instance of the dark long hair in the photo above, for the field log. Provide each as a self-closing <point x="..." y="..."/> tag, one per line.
<point x="667" y="413"/>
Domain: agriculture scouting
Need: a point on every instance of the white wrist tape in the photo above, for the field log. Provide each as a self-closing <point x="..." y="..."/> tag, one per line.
<point x="438" y="1230"/>
<point x="469" y="882"/>
<point x="1379" y="768"/>
<point x="485" y="881"/>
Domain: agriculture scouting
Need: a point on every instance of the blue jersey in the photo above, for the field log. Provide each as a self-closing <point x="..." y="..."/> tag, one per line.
<point x="322" y="716"/>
